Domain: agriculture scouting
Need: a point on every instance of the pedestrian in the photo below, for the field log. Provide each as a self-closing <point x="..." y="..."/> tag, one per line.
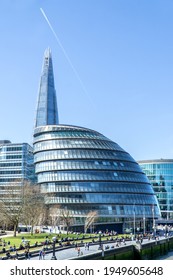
<point x="103" y="254"/>
<point x="43" y="254"/>
<point x="88" y="245"/>
<point x="124" y="241"/>
<point x="16" y="255"/>
<point x="85" y="246"/>
<point x="40" y="255"/>
<point x="8" y="255"/>
<point x="78" y="251"/>
<point x="26" y="254"/>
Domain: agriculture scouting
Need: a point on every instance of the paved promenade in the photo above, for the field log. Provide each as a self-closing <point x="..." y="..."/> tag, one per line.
<point x="72" y="252"/>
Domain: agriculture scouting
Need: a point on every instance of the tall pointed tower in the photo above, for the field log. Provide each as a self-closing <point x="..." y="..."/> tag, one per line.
<point x="47" y="112"/>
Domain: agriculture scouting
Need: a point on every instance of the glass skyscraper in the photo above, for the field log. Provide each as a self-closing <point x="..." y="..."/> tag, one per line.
<point x="160" y="175"/>
<point x="47" y="112"/>
<point x="81" y="170"/>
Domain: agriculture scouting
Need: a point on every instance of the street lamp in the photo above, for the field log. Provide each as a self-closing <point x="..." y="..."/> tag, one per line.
<point x="100" y="241"/>
<point x="54" y="241"/>
<point x="154" y="224"/>
<point x="134" y="220"/>
<point x="144" y="218"/>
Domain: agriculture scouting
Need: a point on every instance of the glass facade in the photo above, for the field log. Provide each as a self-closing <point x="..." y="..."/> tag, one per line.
<point x="160" y="174"/>
<point x="16" y="164"/>
<point x="47" y="112"/>
<point x="82" y="170"/>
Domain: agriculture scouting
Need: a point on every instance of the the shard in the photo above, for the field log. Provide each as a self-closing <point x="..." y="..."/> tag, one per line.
<point x="47" y="112"/>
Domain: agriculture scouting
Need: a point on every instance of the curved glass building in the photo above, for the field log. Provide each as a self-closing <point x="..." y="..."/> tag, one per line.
<point x="160" y="175"/>
<point x="81" y="170"/>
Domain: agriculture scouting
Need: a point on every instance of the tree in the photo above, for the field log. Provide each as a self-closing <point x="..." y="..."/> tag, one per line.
<point x="22" y="202"/>
<point x="67" y="218"/>
<point x="54" y="215"/>
<point x="90" y="219"/>
<point x="11" y="207"/>
<point x="34" y="209"/>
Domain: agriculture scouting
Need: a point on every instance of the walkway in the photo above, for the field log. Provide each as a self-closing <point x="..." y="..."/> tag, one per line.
<point x="72" y="252"/>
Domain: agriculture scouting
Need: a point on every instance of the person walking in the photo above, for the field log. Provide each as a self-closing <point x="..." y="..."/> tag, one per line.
<point x="40" y="255"/>
<point x="26" y="254"/>
<point x="16" y="255"/>
<point x="78" y="251"/>
<point x="43" y="254"/>
<point x="103" y="253"/>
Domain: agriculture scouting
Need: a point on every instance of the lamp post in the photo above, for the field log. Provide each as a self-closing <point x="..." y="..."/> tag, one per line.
<point x="54" y="241"/>
<point x="154" y="225"/>
<point x="144" y="218"/>
<point x="144" y="224"/>
<point x="134" y="220"/>
<point x="100" y="241"/>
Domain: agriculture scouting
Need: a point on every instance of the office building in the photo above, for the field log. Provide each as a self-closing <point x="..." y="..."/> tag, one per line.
<point x="16" y="164"/>
<point x="160" y="175"/>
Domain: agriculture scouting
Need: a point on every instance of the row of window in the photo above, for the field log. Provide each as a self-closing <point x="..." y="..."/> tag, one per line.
<point x="105" y="210"/>
<point x="91" y="175"/>
<point x="7" y="180"/>
<point x="70" y="134"/>
<point x="19" y="148"/>
<point x="80" y="154"/>
<point x="98" y="187"/>
<point x="162" y="174"/>
<point x="158" y="179"/>
<point x="156" y="167"/>
<point x="106" y="198"/>
<point x="13" y="156"/>
<point x="63" y="144"/>
<point x="10" y="164"/>
<point x="168" y="195"/>
<point x="103" y="165"/>
<point x="11" y="172"/>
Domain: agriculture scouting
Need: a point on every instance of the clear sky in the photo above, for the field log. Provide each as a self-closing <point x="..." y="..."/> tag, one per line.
<point x="122" y="51"/>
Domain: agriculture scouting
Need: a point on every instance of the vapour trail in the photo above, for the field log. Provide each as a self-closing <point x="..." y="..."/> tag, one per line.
<point x="65" y="53"/>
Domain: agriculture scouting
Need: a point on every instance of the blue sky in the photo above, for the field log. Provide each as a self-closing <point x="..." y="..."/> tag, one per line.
<point x="121" y="49"/>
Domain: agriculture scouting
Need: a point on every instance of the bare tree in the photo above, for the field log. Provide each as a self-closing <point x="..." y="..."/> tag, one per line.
<point x="11" y="207"/>
<point x="90" y="219"/>
<point x="21" y="202"/>
<point x="34" y="209"/>
<point x="55" y="215"/>
<point x="67" y="218"/>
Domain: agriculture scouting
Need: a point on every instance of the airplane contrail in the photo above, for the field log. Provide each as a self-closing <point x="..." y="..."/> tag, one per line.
<point x="65" y="53"/>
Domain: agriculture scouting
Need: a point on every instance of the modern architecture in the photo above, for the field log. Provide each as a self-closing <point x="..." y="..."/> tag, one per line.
<point x="81" y="170"/>
<point x="16" y="164"/>
<point x="160" y="175"/>
<point x="47" y="113"/>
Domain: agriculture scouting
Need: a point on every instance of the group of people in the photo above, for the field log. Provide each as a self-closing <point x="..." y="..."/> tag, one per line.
<point x="87" y="246"/>
<point x="42" y="254"/>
